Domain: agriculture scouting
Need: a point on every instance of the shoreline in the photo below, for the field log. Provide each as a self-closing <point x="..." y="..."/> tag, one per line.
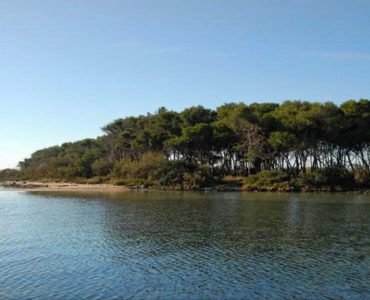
<point x="39" y="186"/>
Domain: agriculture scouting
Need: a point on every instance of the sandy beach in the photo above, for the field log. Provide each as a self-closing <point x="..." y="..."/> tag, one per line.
<point x="59" y="186"/>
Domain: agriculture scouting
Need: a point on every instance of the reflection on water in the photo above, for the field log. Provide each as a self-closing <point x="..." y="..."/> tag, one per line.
<point x="183" y="245"/>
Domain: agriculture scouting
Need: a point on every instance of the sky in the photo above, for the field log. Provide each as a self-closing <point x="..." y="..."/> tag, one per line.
<point x="67" y="68"/>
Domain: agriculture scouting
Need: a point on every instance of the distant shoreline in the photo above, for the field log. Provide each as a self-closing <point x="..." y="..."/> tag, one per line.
<point x="38" y="186"/>
<point x="59" y="186"/>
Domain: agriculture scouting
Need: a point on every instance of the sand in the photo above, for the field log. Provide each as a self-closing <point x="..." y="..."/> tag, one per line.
<point x="59" y="186"/>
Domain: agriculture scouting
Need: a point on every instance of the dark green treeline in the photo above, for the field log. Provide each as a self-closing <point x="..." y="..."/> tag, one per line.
<point x="236" y="139"/>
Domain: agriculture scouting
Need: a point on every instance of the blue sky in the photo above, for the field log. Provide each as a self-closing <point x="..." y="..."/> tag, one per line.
<point x="69" y="67"/>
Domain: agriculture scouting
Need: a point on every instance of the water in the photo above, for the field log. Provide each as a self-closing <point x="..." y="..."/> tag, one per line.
<point x="184" y="245"/>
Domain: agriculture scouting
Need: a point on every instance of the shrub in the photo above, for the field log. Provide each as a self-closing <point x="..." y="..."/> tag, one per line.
<point x="101" y="167"/>
<point x="146" y="167"/>
<point x="362" y="176"/>
<point x="119" y="182"/>
<point x="67" y="172"/>
<point x="80" y="180"/>
<point x="84" y="163"/>
<point x="331" y="176"/>
<point x="276" y="179"/>
<point x="184" y="175"/>
<point x="96" y="180"/>
<point x="9" y="174"/>
<point x="155" y="169"/>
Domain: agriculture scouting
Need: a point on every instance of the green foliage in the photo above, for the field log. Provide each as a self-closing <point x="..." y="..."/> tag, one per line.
<point x="282" y="140"/>
<point x="362" y="176"/>
<point x="147" y="167"/>
<point x="101" y="167"/>
<point x="182" y="175"/>
<point x="267" y="179"/>
<point x="155" y="169"/>
<point x="331" y="177"/>
<point x="85" y="162"/>
<point x="9" y="175"/>
<point x="197" y="114"/>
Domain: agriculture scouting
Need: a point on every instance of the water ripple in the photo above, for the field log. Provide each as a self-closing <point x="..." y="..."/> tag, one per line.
<point x="183" y="246"/>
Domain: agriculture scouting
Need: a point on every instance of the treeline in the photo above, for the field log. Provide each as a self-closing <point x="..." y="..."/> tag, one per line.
<point x="193" y="147"/>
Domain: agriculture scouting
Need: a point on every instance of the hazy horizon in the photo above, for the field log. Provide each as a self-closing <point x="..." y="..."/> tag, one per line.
<point x="70" y="68"/>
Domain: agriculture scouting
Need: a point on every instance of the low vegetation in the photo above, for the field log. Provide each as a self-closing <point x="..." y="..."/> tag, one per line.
<point x="268" y="179"/>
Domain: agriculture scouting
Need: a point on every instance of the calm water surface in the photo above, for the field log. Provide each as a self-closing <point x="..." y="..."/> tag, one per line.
<point x="184" y="245"/>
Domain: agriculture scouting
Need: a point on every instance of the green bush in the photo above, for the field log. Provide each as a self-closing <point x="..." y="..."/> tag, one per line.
<point x="96" y="180"/>
<point x="147" y="167"/>
<point x="84" y="163"/>
<point x="155" y="169"/>
<point x="183" y="175"/>
<point x="9" y="174"/>
<point x="331" y="177"/>
<point x="276" y="179"/>
<point x="119" y="182"/>
<point x="101" y="167"/>
<point x="362" y="177"/>
<point x="67" y="172"/>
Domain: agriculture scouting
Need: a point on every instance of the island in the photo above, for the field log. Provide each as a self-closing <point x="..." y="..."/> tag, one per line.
<point x="293" y="146"/>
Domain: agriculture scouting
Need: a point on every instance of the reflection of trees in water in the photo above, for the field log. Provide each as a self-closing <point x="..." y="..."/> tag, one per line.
<point x="158" y="223"/>
<point x="328" y="222"/>
<point x="165" y="222"/>
<point x="250" y="244"/>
